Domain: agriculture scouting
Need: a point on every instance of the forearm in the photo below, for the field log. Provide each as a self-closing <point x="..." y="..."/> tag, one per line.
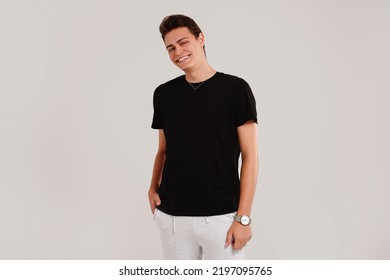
<point x="248" y="182"/>
<point x="157" y="171"/>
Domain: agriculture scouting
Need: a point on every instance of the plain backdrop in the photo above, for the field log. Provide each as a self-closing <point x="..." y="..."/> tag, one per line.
<point x="77" y="150"/>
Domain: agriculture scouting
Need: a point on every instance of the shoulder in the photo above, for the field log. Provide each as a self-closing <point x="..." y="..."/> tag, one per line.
<point x="161" y="92"/>
<point x="233" y="80"/>
<point x="170" y="84"/>
<point x="241" y="90"/>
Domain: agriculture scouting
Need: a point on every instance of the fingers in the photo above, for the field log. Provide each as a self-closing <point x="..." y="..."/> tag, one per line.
<point x="154" y="200"/>
<point x="157" y="200"/>
<point x="238" y="244"/>
<point x="238" y="236"/>
<point x="229" y="239"/>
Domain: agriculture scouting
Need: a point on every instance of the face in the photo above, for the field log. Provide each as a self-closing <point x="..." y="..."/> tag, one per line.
<point x="185" y="51"/>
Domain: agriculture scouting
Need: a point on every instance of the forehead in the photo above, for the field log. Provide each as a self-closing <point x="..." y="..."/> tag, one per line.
<point x="176" y="34"/>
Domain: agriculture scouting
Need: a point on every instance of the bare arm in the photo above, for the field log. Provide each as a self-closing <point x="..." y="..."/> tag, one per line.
<point x="249" y="168"/>
<point x="239" y="235"/>
<point x="154" y="199"/>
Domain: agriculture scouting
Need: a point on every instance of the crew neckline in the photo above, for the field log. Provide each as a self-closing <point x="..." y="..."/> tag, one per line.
<point x="197" y="83"/>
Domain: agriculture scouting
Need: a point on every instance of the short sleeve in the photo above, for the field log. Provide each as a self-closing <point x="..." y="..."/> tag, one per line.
<point x="245" y="104"/>
<point x="156" y="122"/>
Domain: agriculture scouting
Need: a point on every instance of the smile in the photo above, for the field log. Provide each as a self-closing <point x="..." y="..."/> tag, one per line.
<point x="181" y="59"/>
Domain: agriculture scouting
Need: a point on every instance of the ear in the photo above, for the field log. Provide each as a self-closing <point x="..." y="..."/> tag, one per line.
<point x="201" y="39"/>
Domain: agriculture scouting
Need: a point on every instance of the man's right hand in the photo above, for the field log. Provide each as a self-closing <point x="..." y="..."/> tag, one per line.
<point x="154" y="200"/>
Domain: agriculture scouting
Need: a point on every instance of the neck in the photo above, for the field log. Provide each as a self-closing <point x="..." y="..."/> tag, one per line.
<point x="199" y="74"/>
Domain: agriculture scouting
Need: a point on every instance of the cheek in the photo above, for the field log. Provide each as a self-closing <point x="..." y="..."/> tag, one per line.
<point x="171" y="57"/>
<point x="199" y="50"/>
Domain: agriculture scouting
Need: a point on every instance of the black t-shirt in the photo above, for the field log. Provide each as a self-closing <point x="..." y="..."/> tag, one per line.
<point x="200" y="175"/>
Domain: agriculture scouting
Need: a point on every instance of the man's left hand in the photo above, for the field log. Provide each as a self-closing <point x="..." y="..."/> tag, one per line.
<point x="238" y="235"/>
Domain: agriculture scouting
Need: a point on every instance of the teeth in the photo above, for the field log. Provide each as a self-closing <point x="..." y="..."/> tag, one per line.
<point x="183" y="58"/>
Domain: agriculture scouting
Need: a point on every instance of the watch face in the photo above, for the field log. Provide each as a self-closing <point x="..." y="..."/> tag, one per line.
<point x="245" y="220"/>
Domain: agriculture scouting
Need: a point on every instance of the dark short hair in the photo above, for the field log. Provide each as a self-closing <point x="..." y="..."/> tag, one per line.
<point x="175" y="21"/>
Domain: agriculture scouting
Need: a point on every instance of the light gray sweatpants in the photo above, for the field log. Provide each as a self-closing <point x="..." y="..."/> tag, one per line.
<point x="194" y="238"/>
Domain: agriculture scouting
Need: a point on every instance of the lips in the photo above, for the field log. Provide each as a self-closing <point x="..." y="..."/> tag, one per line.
<point x="183" y="58"/>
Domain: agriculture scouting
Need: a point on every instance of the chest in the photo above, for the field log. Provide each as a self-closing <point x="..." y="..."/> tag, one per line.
<point x="202" y="109"/>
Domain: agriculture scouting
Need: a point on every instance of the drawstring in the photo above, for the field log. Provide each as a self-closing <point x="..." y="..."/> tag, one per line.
<point x="206" y="220"/>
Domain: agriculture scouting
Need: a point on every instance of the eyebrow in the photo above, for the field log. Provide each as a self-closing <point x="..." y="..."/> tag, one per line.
<point x="177" y="42"/>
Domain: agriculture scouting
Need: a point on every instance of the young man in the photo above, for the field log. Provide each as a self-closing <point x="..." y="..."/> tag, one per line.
<point x="205" y="119"/>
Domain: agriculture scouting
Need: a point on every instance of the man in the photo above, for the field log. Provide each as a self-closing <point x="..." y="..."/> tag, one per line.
<point x="205" y="119"/>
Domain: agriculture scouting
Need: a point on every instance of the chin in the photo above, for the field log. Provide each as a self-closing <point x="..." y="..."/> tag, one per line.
<point x="184" y="67"/>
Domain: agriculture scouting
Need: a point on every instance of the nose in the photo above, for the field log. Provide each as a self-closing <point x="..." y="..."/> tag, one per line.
<point x="178" y="50"/>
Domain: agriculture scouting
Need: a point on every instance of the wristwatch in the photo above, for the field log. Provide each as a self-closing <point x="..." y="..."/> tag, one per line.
<point x="243" y="219"/>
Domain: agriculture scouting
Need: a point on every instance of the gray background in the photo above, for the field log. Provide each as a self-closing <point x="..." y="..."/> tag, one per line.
<point x="76" y="153"/>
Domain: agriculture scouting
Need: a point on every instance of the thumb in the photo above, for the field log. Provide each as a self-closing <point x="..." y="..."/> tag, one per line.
<point x="157" y="200"/>
<point x="229" y="238"/>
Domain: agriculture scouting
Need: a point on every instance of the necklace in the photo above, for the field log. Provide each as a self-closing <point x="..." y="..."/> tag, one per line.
<point x="195" y="88"/>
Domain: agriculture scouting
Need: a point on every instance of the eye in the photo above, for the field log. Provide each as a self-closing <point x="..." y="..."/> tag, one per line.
<point x="170" y="49"/>
<point x="183" y="43"/>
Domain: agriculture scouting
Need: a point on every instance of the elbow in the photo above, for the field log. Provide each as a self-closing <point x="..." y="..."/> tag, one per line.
<point x="254" y="157"/>
<point x="250" y="160"/>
